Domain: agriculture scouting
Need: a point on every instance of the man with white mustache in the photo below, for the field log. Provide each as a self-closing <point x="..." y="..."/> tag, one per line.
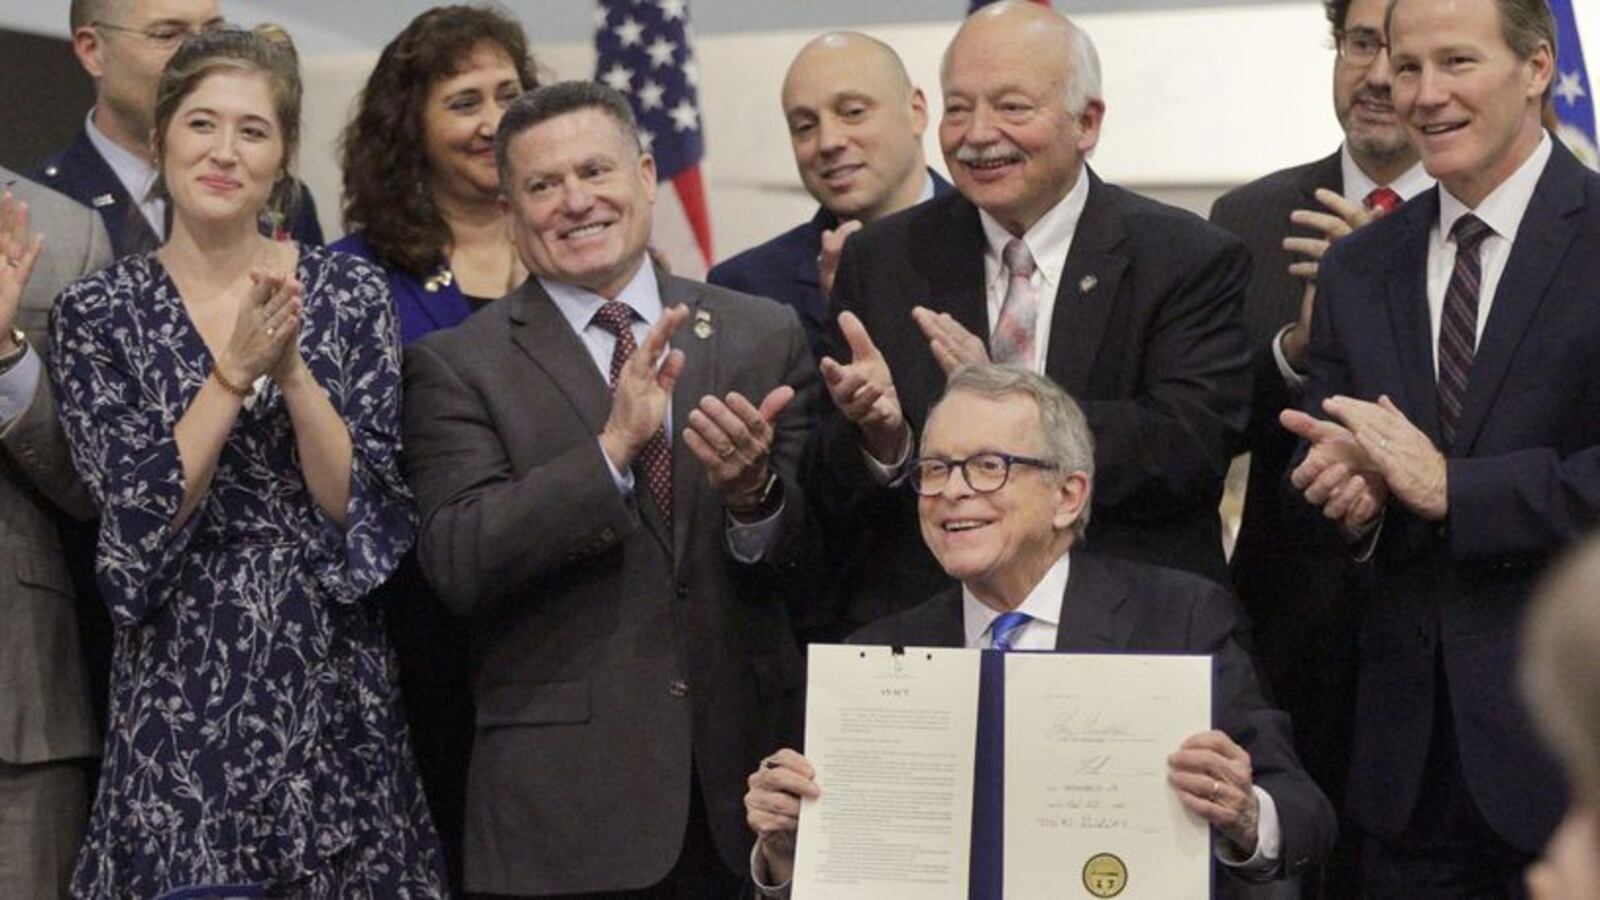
<point x="1130" y="305"/>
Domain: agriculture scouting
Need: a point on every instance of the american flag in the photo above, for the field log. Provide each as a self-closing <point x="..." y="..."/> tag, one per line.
<point x="1573" y="101"/>
<point x="644" y="50"/>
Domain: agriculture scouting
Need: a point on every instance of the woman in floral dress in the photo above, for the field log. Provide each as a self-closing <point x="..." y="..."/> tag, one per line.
<point x="232" y="403"/>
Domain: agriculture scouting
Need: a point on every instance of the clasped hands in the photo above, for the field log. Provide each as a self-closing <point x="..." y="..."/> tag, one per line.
<point x="731" y="436"/>
<point x="1366" y="454"/>
<point x="1211" y="773"/>
<point x="266" y="333"/>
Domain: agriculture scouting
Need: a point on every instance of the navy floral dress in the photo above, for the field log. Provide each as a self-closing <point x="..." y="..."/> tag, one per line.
<point x="254" y="735"/>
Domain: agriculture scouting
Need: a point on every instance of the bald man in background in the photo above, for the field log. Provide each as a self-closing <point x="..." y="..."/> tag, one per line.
<point x="856" y="122"/>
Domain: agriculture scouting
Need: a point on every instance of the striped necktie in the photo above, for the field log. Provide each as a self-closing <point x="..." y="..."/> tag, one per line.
<point x="1458" y="325"/>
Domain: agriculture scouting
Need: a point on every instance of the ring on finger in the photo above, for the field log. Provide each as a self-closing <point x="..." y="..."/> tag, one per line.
<point x="727" y="451"/>
<point x="272" y="331"/>
<point x="13" y="261"/>
<point x="1216" y="790"/>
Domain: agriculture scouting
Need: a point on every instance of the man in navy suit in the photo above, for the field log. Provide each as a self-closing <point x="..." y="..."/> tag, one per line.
<point x="123" y="45"/>
<point x="1452" y="349"/>
<point x="856" y="122"/>
<point x="1003" y="488"/>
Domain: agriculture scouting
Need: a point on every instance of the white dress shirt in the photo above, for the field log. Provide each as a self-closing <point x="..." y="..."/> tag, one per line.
<point x="1502" y="210"/>
<point x="1049" y="240"/>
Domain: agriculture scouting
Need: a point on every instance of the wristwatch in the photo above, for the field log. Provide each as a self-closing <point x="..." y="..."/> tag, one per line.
<point x="16" y="355"/>
<point x="767" y="498"/>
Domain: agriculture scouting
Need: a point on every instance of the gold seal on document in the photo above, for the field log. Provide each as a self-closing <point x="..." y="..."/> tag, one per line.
<point x="1104" y="875"/>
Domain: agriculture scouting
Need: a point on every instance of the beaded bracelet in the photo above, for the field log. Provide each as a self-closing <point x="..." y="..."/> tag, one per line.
<point x="243" y="393"/>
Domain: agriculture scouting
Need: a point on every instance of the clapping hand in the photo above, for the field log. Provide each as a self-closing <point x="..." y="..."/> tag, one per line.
<point x="643" y="389"/>
<point x="863" y="389"/>
<point x="19" y="250"/>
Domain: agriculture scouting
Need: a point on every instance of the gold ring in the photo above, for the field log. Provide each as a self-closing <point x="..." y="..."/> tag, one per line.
<point x="272" y="332"/>
<point x="1216" y="790"/>
<point x="727" y="451"/>
<point x="13" y="261"/>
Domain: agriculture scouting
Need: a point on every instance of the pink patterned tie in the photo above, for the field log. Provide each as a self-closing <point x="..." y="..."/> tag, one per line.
<point x="1012" y="341"/>
<point x="656" y="457"/>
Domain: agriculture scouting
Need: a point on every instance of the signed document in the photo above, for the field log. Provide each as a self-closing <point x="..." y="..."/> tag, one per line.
<point x="1088" y="810"/>
<point x="893" y="737"/>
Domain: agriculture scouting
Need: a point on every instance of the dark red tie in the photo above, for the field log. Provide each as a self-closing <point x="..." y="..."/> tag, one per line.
<point x="1458" y="325"/>
<point x="1383" y="198"/>
<point x="656" y="457"/>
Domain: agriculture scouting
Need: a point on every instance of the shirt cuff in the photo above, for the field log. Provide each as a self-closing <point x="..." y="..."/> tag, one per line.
<point x="1365" y="539"/>
<point x="623" y="479"/>
<point x="748" y="541"/>
<point x="1269" y="839"/>
<point x="886" y="475"/>
<point x="758" y="875"/>
<point x="1293" y="379"/>
<point x="17" y="386"/>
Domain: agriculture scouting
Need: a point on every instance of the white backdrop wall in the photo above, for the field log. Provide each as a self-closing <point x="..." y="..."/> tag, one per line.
<point x="1197" y="101"/>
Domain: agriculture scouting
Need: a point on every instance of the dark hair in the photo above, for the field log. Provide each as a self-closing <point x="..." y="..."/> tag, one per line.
<point x="552" y="100"/>
<point x="1336" y="11"/>
<point x="385" y="168"/>
<point x="265" y="50"/>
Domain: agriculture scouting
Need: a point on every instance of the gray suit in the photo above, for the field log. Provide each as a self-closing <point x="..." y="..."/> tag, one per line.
<point x="45" y="720"/>
<point x="608" y="661"/>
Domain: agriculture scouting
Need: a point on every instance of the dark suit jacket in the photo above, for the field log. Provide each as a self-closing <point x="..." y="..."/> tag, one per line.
<point x="1145" y="335"/>
<point x="785" y="269"/>
<point x="608" y="659"/>
<point x="1290" y="573"/>
<point x="80" y="172"/>
<point x="1113" y="606"/>
<point x="44" y="699"/>
<point x="421" y="310"/>
<point x="1523" y="482"/>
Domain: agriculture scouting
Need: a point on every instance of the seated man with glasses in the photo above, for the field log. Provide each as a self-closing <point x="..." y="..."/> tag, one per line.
<point x="124" y="45"/>
<point x="1003" y="487"/>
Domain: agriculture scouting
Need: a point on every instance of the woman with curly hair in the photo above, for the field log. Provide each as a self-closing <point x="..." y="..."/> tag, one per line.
<point x="422" y="193"/>
<point x="420" y="186"/>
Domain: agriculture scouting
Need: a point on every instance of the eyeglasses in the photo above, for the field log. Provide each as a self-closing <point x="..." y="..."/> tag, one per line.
<point x="166" y="35"/>
<point x="983" y="472"/>
<point x="1360" y="47"/>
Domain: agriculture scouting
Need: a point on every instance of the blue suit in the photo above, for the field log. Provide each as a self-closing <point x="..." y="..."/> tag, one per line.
<point x="785" y="269"/>
<point x="1523" y="483"/>
<point x="421" y="310"/>
<point x="80" y="172"/>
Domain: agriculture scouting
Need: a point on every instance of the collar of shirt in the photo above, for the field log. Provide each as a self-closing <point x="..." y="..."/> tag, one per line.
<point x="134" y="171"/>
<point x="1357" y="184"/>
<point x="927" y="187"/>
<point x="1048" y="240"/>
<point x="578" y="306"/>
<point x="1043" y="606"/>
<point x="1504" y="207"/>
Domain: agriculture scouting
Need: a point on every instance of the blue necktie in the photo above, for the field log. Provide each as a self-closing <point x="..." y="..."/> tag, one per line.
<point x="1006" y="627"/>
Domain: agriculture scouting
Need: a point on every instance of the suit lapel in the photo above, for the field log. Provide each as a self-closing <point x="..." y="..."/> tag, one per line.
<point x="955" y="270"/>
<point x="1406" y="300"/>
<point x="539" y="329"/>
<point x="1542" y="240"/>
<point x="1086" y="290"/>
<point x="129" y="230"/>
<point x="699" y="378"/>
<point x="1089" y="607"/>
<point x="1326" y="173"/>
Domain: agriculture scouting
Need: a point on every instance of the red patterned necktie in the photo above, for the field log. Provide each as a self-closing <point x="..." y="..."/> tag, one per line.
<point x="1383" y="198"/>
<point x="1012" y="341"/>
<point x="656" y="457"/>
<point x="1458" y="325"/>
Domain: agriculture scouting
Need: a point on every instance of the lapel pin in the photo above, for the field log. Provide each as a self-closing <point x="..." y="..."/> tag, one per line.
<point x="1087" y="283"/>
<point x="702" y="324"/>
<point x="102" y="201"/>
